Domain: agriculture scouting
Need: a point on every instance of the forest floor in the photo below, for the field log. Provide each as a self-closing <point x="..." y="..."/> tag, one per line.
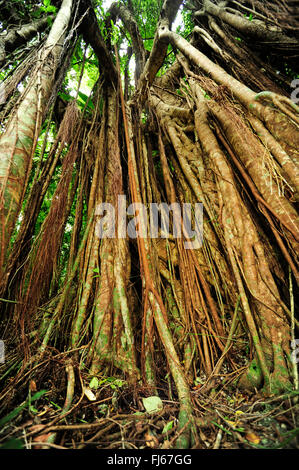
<point x="112" y="416"/>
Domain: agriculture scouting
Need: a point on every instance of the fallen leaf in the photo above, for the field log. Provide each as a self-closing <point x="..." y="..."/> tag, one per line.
<point x="152" y="404"/>
<point x="253" y="438"/>
<point x="151" y="440"/>
<point x="89" y="394"/>
<point x="32" y="386"/>
<point x="232" y="423"/>
<point x="42" y="438"/>
<point x="166" y="444"/>
<point x="94" y="383"/>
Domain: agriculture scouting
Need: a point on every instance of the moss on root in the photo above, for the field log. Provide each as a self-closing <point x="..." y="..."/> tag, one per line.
<point x="252" y="380"/>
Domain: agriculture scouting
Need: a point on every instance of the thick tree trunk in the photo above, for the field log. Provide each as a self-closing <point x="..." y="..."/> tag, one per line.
<point x="17" y="144"/>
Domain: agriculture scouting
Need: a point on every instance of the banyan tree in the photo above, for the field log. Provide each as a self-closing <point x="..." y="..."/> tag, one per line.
<point x="150" y="103"/>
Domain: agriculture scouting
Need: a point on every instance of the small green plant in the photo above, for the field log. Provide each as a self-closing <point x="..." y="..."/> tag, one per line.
<point x="168" y="427"/>
<point x="113" y="383"/>
<point x="249" y="17"/>
<point x="14" y="413"/>
<point x="97" y="272"/>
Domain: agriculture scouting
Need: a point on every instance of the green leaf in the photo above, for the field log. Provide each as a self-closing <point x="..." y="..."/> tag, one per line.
<point x="55" y="405"/>
<point x="103" y="408"/>
<point x="12" y="414"/>
<point x="18" y="410"/>
<point x="94" y="383"/>
<point x="83" y="96"/>
<point x="152" y="404"/>
<point x="38" y="395"/>
<point x="119" y="383"/>
<point x="32" y="409"/>
<point x="12" y="444"/>
<point x="64" y="96"/>
<point x="167" y="427"/>
<point x="50" y="21"/>
<point x="37" y="13"/>
<point x="85" y="100"/>
<point x="51" y="9"/>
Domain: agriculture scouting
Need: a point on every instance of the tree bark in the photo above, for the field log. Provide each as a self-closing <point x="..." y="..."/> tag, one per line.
<point x="118" y="10"/>
<point x="159" y="50"/>
<point x="17" y="37"/>
<point x="17" y="143"/>
<point x="253" y="29"/>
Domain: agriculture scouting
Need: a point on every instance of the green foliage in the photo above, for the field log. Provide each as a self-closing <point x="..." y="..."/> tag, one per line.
<point x="97" y="273"/>
<point x="158" y="169"/>
<point x="168" y="62"/>
<point x="123" y="62"/>
<point x="25" y="11"/>
<point x="103" y="408"/>
<point x="89" y="78"/>
<point x="67" y="236"/>
<point x="47" y="8"/>
<point x="248" y="17"/>
<point x="94" y="383"/>
<point x="113" y="382"/>
<point x="115" y="33"/>
<point x="14" y="413"/>
<point x="168" y="427"/>
<point x="147" y="14"/>
<point x="84" y="100"/>
<point x="188" y="24"/>
<point x="12" y="444"/>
